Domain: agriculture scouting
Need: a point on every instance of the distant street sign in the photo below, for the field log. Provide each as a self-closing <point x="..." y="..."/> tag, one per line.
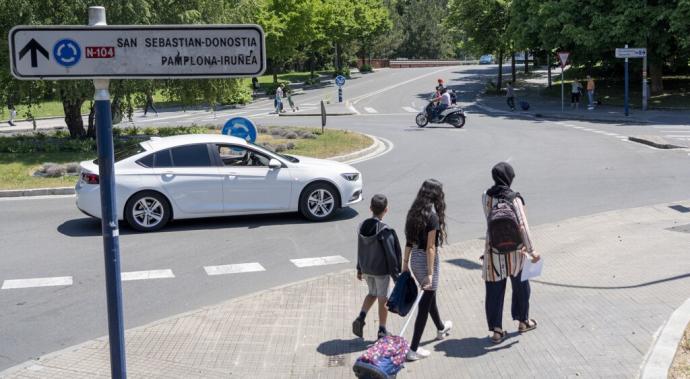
<point x="340" y="80"/>
<point x="240" y="127"/>
<point x="563" y="57"/>
<point x="137" y="52"/>
<point x="631" y="52"/>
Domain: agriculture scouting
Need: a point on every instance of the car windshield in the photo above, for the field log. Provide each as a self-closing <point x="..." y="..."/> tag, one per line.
<point x="125" y="151"/>
<point x="289" y="158"/>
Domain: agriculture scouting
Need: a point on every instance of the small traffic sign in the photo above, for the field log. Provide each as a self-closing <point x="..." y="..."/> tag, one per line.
<point x="563" y="57"/>
<point x="137" y="52"/>
<point x="631" y="52"/>
<point x="240" y="127"/>
<point x="340" y="80"/>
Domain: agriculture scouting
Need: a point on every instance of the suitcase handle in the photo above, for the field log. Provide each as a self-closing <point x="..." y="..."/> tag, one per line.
<point x="412" y="311"/>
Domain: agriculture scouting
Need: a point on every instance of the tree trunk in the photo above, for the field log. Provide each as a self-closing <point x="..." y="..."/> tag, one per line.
<point x="656" y="71"/>
<point x="75" y="124"/>
<point x="512" y="65"/>
<point x="526" y="61"/>
<point x="91" y="130"/>
<point x="499" y="84"/>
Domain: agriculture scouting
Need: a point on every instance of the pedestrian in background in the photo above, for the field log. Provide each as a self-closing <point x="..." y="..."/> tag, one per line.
<point x="279" y="98"/>
<point x="378" y="260"/>
<point x="149" y="104"/>
<point x="575" y="90"/>
<point x="499" y="264"/>
<point x="510" y="95"/>
<point x="289" y="98"/>
<point x="590" y="92"/>
<point x="425" y="232"/>
<point x="13" y="113"/>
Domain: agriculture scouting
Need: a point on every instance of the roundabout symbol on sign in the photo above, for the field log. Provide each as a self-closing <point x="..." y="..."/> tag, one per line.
<point x="240" y="127"/>
<point x="67" y="52"/>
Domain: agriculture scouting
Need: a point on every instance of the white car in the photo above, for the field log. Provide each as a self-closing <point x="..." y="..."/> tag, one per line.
<point x="208" y="175"/>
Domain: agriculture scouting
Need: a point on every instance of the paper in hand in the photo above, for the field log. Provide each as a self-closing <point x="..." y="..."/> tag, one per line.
<point x="531" y="270"/>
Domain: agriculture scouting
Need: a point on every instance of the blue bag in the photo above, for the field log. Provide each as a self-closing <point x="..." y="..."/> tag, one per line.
<point x="403" y="296"/>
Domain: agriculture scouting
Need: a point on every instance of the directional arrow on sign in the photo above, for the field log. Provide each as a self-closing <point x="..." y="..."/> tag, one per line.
<point x="33" y="47"/>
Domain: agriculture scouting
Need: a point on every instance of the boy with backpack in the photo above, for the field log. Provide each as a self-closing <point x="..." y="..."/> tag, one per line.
<point x="508" y="246"/>
<point x="379" y="258"/>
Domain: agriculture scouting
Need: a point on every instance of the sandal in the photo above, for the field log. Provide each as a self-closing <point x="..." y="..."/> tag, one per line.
<point x="531" y="324"/>
<point x="500" y="339"/>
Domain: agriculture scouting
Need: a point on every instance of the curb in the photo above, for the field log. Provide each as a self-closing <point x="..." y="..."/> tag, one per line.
<point x="656" y="142"/>
<point x="660" y="356"/>
<point x="376" y="145"/>
<point x="37" y="192"/>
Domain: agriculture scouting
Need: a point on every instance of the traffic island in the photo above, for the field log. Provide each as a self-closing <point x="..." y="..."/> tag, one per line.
<point x="335" y="109"/>
<point x="655" y="141"/>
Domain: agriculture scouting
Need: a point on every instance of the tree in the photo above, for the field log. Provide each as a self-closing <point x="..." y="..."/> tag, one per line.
<point x="426" y="36"/>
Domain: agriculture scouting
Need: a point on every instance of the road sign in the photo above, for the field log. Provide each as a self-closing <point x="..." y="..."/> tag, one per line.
<point x="631" y="52"/>
<point x="563" y="57"/>
<point x="240" y="127"/>
<point x="339" y="80"/>
<point x="137" y="52"/>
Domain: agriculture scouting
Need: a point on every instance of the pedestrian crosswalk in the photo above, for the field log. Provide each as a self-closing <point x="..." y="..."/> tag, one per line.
<point x="370" y="110"/>
<point x="238" y="268"/>
<point x="410" y="109"/>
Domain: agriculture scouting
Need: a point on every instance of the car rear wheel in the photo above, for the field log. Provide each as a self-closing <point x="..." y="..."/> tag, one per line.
<point x="319" y="202"/>
<point x="147" y="211"/>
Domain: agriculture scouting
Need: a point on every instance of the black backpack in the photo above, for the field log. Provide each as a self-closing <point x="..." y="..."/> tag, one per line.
<point x="504" y="226"/>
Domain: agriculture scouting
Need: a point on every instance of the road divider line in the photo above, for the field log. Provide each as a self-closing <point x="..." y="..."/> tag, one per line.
<point x="370" y="94"/>
<point x="234" y="268"/>
<point x="410" y="109"/>
<point x="37" y="282"/>
<point x="319" y="261"/>
<point x="144" y="275"/>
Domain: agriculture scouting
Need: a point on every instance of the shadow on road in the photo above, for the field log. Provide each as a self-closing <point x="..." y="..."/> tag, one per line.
<point x="340" y="346"/>
<point x="472" y="347"/>
<point x="90" y="227"/>
<point x="465" y="263"/>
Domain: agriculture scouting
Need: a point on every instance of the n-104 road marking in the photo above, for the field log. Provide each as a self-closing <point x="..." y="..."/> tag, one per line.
<point x="234" y="269"/>
<point x="37" y="282"/>
<point x="143" y="275"/>
<point x="319" y="261"/>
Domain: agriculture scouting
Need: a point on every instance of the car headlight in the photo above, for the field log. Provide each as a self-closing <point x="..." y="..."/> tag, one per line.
<point x="350" y="176"/>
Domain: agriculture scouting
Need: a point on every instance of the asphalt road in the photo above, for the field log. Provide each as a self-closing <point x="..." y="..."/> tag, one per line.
<point x="564" y="169"/>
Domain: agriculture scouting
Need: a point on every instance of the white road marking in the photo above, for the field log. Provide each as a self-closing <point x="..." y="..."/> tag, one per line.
<point x="234" y="269"/>
<point x="143" y="275"/>
<point x="370" y="110"/>
<point x="46" y="197"/>
<point x="370" y="94"/>
<point x="37" y="282"/>
<point x="410" y="109"/>
<point x="611" y="134"/>
<point x="579" y="127"/>
<point x="677" y="136"/>
<point x="319" y="261"/>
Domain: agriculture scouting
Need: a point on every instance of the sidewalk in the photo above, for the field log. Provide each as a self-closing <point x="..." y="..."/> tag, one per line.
<point x="611" y="280"/>
<point x="550" y="107"/>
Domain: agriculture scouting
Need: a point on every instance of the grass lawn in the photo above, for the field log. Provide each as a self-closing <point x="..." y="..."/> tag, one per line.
<point x="681" y="364"/>
<point x="16" y="170"/>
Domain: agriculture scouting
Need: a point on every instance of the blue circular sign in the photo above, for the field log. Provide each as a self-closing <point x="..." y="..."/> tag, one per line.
<point x="67" y="52"/>
<point x="340" y="80"/>
<point x="240" y="127"/>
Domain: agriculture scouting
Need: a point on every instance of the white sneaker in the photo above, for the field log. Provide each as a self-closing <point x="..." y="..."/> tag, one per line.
<point x="417" y="355"/>
<point x="447" y="326"/>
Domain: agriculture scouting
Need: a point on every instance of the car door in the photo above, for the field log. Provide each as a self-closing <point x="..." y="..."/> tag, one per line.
<point x="190" y="177"/>
<point x="249" y="185"/>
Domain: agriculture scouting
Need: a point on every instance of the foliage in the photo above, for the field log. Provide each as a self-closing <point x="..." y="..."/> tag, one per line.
<point x="425" y="36"/>
<point x="366" y="68"/>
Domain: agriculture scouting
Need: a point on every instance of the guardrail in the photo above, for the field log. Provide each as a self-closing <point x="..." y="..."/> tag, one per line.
<point x="407" y="63"/>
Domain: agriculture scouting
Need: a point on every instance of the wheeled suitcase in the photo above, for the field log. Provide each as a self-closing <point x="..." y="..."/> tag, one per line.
<point x="386" y="357"/>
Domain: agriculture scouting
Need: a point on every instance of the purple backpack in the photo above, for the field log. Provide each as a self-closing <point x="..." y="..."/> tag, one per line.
<point x="504" y="226"/>
<point x="384" y="359"/>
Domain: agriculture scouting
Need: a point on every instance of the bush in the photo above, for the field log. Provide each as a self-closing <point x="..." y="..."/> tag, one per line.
<point x="150" y="131"/>
<point x="291" y="135"/>
<point x="277" y="132"/>
<point x="263" y="130"/>
<point x="268" y="146"/>
<point x="345" y="71"/>
<point x="366" y="68"/>
<point x="55" y="171"/>
<point x="72" y="168"/>
<point x="290" y="145"/>
<point x="281" y="148"/>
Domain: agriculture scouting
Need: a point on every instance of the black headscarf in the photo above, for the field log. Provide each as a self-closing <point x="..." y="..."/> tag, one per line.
<point x="503" y="175"/>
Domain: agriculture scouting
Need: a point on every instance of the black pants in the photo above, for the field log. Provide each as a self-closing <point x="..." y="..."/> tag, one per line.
<point x="495" y="293"/>
<point x="511" y="102"/>
<point x="147" y="106"/>
<point x="427" y="306"/>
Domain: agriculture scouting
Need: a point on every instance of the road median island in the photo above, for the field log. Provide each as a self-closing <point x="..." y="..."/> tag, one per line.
<point x="47" y="164"/>
<point x="655" y="141"/>
<point x="597" y="315"/>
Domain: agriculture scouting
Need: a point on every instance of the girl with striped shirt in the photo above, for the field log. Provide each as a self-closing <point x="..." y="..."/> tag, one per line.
<point x="497" y="268"/>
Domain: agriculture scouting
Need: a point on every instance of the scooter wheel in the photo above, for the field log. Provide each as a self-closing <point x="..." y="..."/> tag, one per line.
<point x="460" y="122"/>
<point x="421" y="120"/>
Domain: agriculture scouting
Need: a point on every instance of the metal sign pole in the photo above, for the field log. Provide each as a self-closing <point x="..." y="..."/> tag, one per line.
<point x="562" y="88"/>
<point x="645" y="88"/>
<point x="627" y="110"/>
<point x="340" y="94"/>
<point x="109" y="226"/>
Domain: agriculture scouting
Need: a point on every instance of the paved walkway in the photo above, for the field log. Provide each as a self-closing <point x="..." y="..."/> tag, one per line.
<point x="550" y="107"/>
<point x="610" y="282"/>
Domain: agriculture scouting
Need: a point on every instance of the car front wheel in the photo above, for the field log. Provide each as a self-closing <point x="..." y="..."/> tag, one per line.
<point x="147" y="211"/>
<point x="319" y="202"/>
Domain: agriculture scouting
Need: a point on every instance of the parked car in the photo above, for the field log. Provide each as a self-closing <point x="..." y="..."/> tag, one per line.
<point x="207" y="175"/>
<point x="486" y="59"/>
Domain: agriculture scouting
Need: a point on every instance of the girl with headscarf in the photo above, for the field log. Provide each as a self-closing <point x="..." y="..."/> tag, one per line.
<point x="497" y="268"/>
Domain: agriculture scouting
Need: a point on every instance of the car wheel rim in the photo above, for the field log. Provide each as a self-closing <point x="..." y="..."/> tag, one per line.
<point x="321" y="203"/>
<point x="148" y="212"/>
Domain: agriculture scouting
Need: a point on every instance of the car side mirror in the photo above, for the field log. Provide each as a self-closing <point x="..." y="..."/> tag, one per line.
<point x="274" y="163"/>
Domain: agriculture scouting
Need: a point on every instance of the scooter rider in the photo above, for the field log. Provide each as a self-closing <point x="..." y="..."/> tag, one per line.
<point x="444" y="102"/>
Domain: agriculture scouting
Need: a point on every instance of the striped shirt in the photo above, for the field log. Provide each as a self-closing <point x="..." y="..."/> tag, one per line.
<point x="497" y="267"/>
